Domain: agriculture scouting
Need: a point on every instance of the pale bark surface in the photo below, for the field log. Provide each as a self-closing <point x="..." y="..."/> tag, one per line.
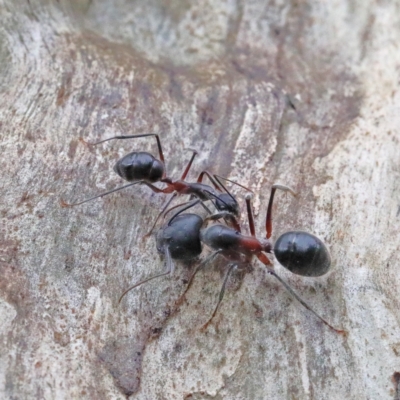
<point x="302" y="93"/>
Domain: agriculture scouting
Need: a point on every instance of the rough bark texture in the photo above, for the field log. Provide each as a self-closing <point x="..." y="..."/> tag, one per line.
<point x="303" y="93"/>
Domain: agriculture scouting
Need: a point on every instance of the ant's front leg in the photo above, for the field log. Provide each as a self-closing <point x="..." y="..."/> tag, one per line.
<point x="227" y="216"/>
<point x="197" y="269"/>
<point x="221" y="295"/>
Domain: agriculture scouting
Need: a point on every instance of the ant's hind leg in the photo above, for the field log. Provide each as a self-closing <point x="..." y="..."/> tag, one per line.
<point x="304" y="304"/>
<point x="170" y="267"/>
<point x="265" y="260"/>
<point x="221" y="295"/>
<point x="152" y="187"/>
<point x="198" y="268"/>
<point x="65" y="204"/>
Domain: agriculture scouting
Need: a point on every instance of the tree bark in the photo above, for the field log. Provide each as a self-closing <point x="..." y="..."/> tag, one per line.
<point x="301" y="93"/>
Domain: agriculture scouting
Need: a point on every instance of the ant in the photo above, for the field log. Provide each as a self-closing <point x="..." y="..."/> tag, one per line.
<point x="139" y="167"/>
<point x="300" y="252"/>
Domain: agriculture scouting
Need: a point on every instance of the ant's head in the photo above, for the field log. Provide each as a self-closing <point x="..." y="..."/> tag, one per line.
<point x="225" y="202"/>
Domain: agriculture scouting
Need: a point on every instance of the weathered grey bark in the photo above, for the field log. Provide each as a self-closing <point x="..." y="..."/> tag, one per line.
<point x="303" y="93"/>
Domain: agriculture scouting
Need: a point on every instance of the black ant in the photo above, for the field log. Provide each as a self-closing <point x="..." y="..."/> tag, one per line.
<point x="300" y="252"/>
<point x="143" y="168"/>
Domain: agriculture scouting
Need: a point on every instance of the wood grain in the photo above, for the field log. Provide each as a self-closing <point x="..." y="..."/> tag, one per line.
<point x="302" y="93"/>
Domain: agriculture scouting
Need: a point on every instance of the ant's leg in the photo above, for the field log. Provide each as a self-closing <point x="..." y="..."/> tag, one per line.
<point x="190" y="204"/>
<point x="263" y="258"/>
<point x="64" y="204"/>
<point x="222" y="214"/>
<point x="303" y="303"/>
<point x="152" y="187"/>
<point x="169" y="269"/>
<point x="268" y="221"/>
<point x="210" y="177"/>
<point x="185" y="172"/>
<point x="198" y="268"/>
<point x="221" y="295"/>
<point x="218" y="179"/>
<point x="205" y="207"/>
<point x="250" y="216"/>
<point x="161" y="213"/>
<point x="227" y="216"/>
<point x="160" y="152"/>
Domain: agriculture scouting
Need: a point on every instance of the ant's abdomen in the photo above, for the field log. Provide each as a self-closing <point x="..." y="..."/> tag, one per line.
<point x="137" y="166"/>
<point x="302" y="253"/>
